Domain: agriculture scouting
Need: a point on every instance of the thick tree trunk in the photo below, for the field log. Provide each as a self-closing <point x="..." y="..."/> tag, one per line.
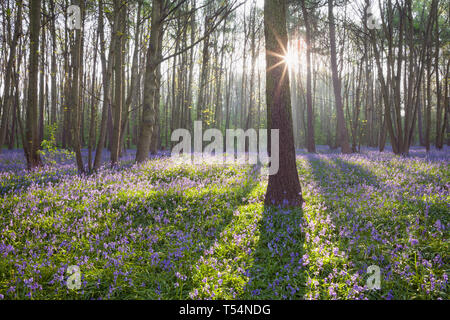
<point x="283" y="188"/>
<point x="150" y="85"/>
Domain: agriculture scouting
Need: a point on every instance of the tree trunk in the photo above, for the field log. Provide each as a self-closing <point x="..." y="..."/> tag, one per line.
<point x="75" y="101"/>
<point x="93" y="121"/>
<point x="119" y="40"/>
<point x="41" y="80"/>
<point x="106" y="79"/>
<point x="203" y="74"/>
<point x="31" y="130"/>
<point x="310" y="144"/>
<point x="8" y="74"/>
<point x="150" y="84"/>
<point x="341" y="127"/>
<point x="439" y="140"/>
<point x="53" y="67"/>
<point x="155" y="139"/>
<point x="283" y="188"/>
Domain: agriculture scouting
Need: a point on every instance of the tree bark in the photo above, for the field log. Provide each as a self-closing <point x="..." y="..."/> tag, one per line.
<point x="150" y="85"/>
<point x="203" y="74"/>
<point x="31" y="126"/>
<point x="6" y="101"/>
<point x="74" y="99"/>
<point x="93" y="114"/>
<point x="53" y="66"/>
<point x="341" y="127"/>
<point x="119" y="40"/>
<point x="155" y="139"/>
<point x="310" y="144"/>
<point x="283" y="188"/>
<point x="106" y="81"/>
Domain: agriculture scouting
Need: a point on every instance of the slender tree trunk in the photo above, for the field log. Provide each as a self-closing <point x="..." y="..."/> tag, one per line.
<point x="74" y="99"/>
<point x="243" y="98"/>
<point x="204" y="73"/>
<point x="65" y="101"/>
<point x="428" y="106"/>
<point x="446" y="125"/>
<point x="135" y="78"/>
<point x="119" y="40"/>
<point x="106" y="79"/>
<point x="251" y="112"/>
<point x="6" y="101"/>
<point x="419" y="118"/>
<point x="41" y="79"/>
<point x="53" y="66"/>
<point x="31" y="126"/>
<point x="439" y="140"/>
<point x="310" y="144"/>
<point x="189" y="100"/>
<point x="218" y="115"/>
<point x="155" y="139"/>
<point x="342" y="128"/>
<point x="93" y="121"/>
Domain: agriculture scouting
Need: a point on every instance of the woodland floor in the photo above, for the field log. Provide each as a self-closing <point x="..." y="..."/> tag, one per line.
<point x="173" y="231"/>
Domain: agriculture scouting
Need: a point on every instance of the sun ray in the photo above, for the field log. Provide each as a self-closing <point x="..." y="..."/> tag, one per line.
<point x="282" y="61"/>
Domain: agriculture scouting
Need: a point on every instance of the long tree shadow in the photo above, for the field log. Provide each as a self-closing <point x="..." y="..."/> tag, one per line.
<point x="144" y="242"/>
<point x="372" y="221"/>
<point x="283" y="263"/>
<point x="277" y="271"/>
<point x="339" y="186"/>
<point x="357" y="178"/>
<point x="196" y="221"/>
<point x="298" y="255"/>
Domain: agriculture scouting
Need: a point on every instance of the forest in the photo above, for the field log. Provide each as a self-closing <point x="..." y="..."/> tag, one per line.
<point x="345" y="102"/>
